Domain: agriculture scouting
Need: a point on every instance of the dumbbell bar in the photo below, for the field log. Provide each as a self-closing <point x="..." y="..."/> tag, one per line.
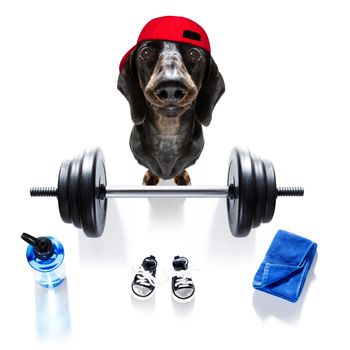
<point x="82" y="192"/>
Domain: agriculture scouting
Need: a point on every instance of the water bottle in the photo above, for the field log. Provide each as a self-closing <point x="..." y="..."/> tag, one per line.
<point x="45" y="256"/>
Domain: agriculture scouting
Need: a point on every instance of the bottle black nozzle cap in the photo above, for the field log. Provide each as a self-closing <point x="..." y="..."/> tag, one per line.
<point x="43" y="247"/>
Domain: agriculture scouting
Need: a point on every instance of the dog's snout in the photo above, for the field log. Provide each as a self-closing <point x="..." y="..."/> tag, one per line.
<point x="171" y="92"/>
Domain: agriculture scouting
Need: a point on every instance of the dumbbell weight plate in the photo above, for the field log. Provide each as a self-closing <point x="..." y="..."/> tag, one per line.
<point x="73" y="190"/>
<point x="93" y="208"/>
<point x="62" y="192"/>
<point x="260" y="190"/>
<point x="271" y="191"/>
<point x="241" y="205"/>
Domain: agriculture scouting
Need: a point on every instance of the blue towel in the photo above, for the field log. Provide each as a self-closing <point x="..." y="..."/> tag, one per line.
<point x="285" y="266"/>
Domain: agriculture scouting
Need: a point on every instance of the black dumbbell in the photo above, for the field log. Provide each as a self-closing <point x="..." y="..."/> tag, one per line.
<point x="82" y="192"/>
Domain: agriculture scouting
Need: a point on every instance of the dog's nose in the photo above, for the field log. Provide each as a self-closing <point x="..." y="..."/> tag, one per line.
<point x="171" y="92"/>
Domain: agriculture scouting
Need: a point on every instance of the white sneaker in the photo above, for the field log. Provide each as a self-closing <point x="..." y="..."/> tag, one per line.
<point x="182" y="284"/>
<point x="144" y="281"/>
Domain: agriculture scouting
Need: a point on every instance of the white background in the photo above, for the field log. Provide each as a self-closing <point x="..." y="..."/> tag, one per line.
<point x="286" y="68"/>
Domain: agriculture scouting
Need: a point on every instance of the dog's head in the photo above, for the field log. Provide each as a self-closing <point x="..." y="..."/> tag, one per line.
<point x="170" y="77"/>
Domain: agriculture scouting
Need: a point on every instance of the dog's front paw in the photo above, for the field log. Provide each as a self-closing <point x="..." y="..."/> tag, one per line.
<point x="150" y="179"/>
<point x="183" y="179"/>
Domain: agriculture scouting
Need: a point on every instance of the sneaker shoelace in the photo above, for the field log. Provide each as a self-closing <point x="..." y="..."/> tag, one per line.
<point x="183" y="279"/>
<point x="144" y="277"/>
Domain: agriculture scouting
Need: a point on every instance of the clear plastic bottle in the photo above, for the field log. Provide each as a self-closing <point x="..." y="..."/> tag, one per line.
<point x="45" y="256"/>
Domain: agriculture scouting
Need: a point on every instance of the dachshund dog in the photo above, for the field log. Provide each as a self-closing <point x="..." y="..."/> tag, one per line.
<point x="172" y="88"/>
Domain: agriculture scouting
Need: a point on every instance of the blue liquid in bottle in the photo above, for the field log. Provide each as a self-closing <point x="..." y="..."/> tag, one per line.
<point x="45" y="256"/>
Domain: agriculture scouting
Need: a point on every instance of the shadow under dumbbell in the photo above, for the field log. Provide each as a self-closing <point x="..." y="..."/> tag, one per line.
<point x="166" y="214"/>
<point x="167" y="211"/>
<point x="267" y="305"/>
<point x="110" y="247"/>
<point x="222" y="244"/>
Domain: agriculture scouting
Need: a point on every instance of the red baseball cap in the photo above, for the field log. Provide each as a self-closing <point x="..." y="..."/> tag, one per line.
<point x="171" y="28"/>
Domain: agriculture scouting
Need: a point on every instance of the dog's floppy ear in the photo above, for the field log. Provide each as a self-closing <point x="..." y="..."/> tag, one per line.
<point x="209" y="94"/>
<point x="128" y="85"/>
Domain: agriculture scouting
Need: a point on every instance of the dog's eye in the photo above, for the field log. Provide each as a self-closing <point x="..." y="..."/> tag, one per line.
<point x="193" y="55"/>
<point x="146" y="54"/>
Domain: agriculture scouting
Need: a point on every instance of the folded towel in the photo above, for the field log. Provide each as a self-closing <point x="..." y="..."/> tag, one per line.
<point x="285" y="266"/>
